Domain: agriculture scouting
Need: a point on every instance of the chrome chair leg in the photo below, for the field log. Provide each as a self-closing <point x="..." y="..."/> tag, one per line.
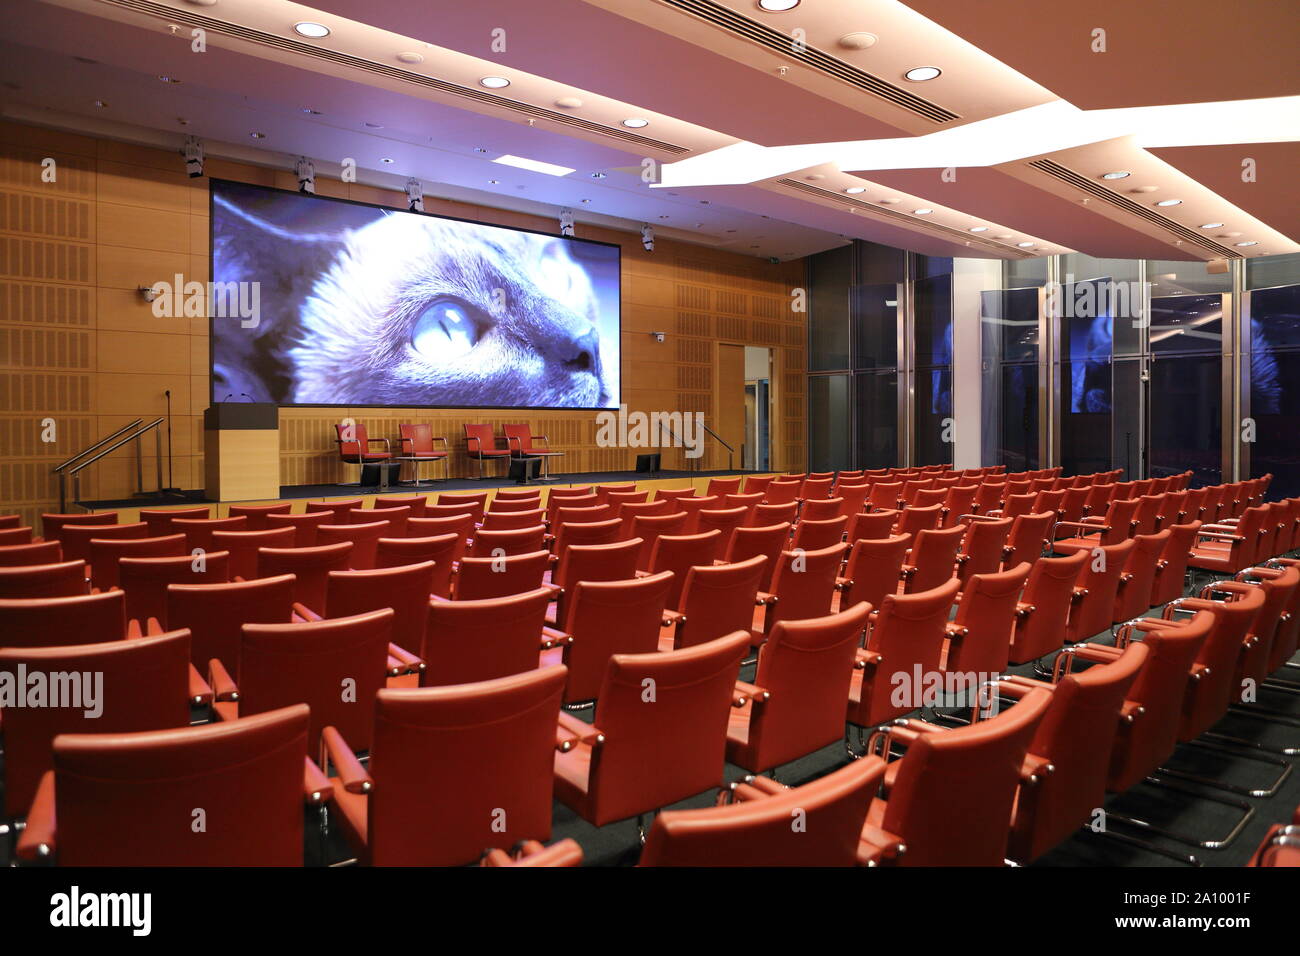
<point x="1248" y="813"/>
<point x="1147" y="845"/>
<point x="1217" y="784"/>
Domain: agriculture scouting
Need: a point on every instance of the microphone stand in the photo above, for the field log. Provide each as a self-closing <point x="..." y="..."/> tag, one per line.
<point x="170" y="491"/>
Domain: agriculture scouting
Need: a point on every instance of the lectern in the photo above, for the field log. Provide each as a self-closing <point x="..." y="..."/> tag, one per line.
<point x="241" y="447"/>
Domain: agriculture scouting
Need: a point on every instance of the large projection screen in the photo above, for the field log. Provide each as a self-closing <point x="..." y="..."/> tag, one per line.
<point x="320" y="301"/>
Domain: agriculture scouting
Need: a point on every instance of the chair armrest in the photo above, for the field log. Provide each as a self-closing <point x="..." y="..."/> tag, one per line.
<point x="223" y="684"/>
<point x="387" y="444"/>
<point x="744" y="692"/>
<point x="554" y="638"/>
<point x="843" y="584"/>
<point x="875" y="845"/>
<point x="864" y="657"/>
<point x="673" y="618"/>
<point x="410" y="663"/>
<point x="316" y="787"/>
<point x="200" y="692"/>
<point x="306" y="613"/>
<point x="37" y="840"/>
<point x="586" y="733"/>
<point x="764" y="598"/>
<point x="758" y="788"/>
<point x="354" y="776"/>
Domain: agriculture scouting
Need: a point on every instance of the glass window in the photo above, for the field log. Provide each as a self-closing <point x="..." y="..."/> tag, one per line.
<point x="1273" y="305"/>
<point x="828" y="422"/>
<point x="876" y="402"/>
<point x="828" y="319"/>
<point x="1009" y="343"/>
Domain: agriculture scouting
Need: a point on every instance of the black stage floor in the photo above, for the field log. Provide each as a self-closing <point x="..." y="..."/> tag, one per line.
<point x="426" y="487"/>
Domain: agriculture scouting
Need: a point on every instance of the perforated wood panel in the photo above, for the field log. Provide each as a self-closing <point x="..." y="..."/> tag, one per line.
<point x="79" y="346"/>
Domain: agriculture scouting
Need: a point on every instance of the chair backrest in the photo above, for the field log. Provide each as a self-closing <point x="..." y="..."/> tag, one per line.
<point x="607" y="618"/>
<point x="417" y="503"/>
<point x="815" y="488"/>
<point x="872" y="525"/>
<point x="631" y="497"/>
<point x="1048" y="599"/>
<point x="1119" y="520"/>
<point x="913" y="519"/>
<point x="39" y="552"/>
<point x="469" y="498"/>
<point x="363" y="538"/>
<point x="198" y="531"/>
<point x="76" y="539"/>
<point x="515" y="494"/>
<point x="415" y="440"/>
<point x="256" y="515"/>
<point x="113" y="789"/>
<point x="504" y="505"/>
<point x="623" y="487"/>
<point x="593" y="532"/>
<point x="959" y="500"/>
<point x="812" y="535"/>
<point x="1148" y="512"/>
<point x="564" y="514"/>
<point x="769" y="514"/>
<point x="335" y="666"/>
<point x="446" y="731"/>
<point x="873" y="571"/>
<point x="404" y="589"/>
<point x="768" y="541"/>
<point x="981" y="548"/>
<point x="304" y="525"/>
<point x="309" y="566"/>
<point x="460" y="524"/>
<point x="440" y="549"/>
<point x="480" y="578"/>
<point x="885" y="495"/>
<point x="748" y="501"/>
<point x="479" y="438"/>
<point x="853" y="498"/>
<point x="1073" y="502"/>
<point x="805" y="668"/>
<point x="725" y="520"/>
<point x="243" y="547"/>
<point x="718" y="600"/>
<point x="145" y="580"/>
<point x="159" y="520"/>
<point x="926" y="497"/>
<point x="396" y="516"/>
<point x="339" y="509"/>
<point x="61" y="579"/>
<point x="1030" y="535"/>
<point x="469" y="641"/>
<point x="119" y="686"/>
<point x="105" y="553"/>
<point x="353" y="439"/>
<point x="1134" y="595"/>
<point x="52" y="524"/>
<point x="216" y="613"/>
<point x="1210" y="694"/>
<point x="51" y="622"/>
<point x="985" y="621"/>
<point x="628" y="513"/>
<point x="719" y="487"/>
<point x="934" y="558"/>
<point x="505" y="520"/>
<point x="758" y="832"/>
<point x="1017" y="505"/>
<point x="654" y="756"/>
<point x="755" y="483"/>
<point x="522" y="435"/>
<point x="691" y="507"/>
<point x="1076" y="737"/>
<point x="986" y="756"/>
<point x="679" y="553"/>
<point x="674" y="494"/>
<point x="489" y="544"/>
<point x="804" y="584"/>
<point x="782" y="492"/>
<point x="649" y="527"/>
<point x="475" y="510"/>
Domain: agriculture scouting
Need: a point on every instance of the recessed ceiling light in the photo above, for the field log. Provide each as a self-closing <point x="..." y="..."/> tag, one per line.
<point x="494" y="82"/>
<point x="586" y="200"/>
<point x="1025" y="245"/>
<point x="979" y="229"/>
<point x="1118" y="174"/>
<point x="1170" y="202"/>
<point x="1251" y="243"/>
<point x="258" y="135"/>
<point x="534" y="165"/>
<point x="636" y="123"/>
<point x="1211" y="225"/>
<point x="777" y="6"/>
<point x="922" y="212"/>
<point x="856" y="189"/>
<point x="1229" y="235"/>
<point x="385" y="160"/>
<point x="314" y="31"/>
<point x="922" y="73"/>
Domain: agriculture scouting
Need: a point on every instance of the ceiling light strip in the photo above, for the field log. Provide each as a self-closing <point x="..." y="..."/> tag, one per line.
<point x="727" y="19"/>
<point x="1070" y="177"/>
<point x="189" y="18"/>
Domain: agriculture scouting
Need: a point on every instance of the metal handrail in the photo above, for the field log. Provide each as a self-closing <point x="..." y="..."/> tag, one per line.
<point x="730" y="451"/>
<point x="86" y="451"/>
<point x="139" y="431"/>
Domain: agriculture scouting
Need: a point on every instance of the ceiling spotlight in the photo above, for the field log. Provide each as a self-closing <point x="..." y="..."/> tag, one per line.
<point x="385" y="160"/>
<point x="856" y="189"/>
<point x="1118" y="174"/>
<point x="168" y="79"/>
<point x="586" y="200"/>
<point x="636" y="123"/>
<point x="258" y="135"/>
<point x="101" y="104"/>
<point x="1170" y="202"/>
<point x="922" y="73"/>
<point x="598" y="175"/>
<point x="979" y="229"/>
<point x="313" y="31"/>
<point x="494" y="181"/>
<point x="777" y="6"/>
<point x="494" y="82"/>
<point x="1211" y="225"/>
<point x="1025" y="245"/>
<point x="922" y="212"/>
<point x="311" y="112"/>
<point x="1251" y="243"/>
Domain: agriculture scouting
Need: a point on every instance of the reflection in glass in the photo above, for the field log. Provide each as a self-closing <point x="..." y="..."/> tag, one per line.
<point x="1275" y="384"/>
<point x="876" y="398"/>
<point x="1009" y="342"/>
<point x="828" y="317"/>
<point x="1187" y="418"/>
<point x="828" y="422"/>
<point x="1187" y="323"/>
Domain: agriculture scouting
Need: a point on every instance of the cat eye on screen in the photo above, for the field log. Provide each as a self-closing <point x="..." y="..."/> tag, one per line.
<point x="446" y="328"/>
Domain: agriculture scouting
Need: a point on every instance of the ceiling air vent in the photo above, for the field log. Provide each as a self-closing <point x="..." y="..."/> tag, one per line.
<point x="910" y="222"/>
<point x="742" y="26"/>
<point x="191" y="19"/>
<point x="1078" y="181"/>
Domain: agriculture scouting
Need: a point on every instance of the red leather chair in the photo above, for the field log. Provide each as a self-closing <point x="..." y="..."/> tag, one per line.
<point x="769" y="514"/>
<point x="979" y="638"/>
<point x="725" y="520"/>
<point x="474" y="509"/>
<point x="756" y="483"/>
<point x="674" y="494"/>
<point x="1044" y="610"/>
<point x="873" y="525"/>
<point x="304" y="525"/>
<point x="594" y="532"/>
<point x="160" y="520"/>
<point x="628" y="513"/>
<point x="145" y="580"/>
<point x="606" y="618"/>
<point x="309" y="566"/>
<point x="104" y="555"/>
<point x="932" y="558"/>
<point x="460" y="525"/>
<point x="1097" y="587"/>
<point x="959" y="500"/>
<point x="404" y="590"/>
<point x="440" y="549"/>
<point x="691" y="507"/>
<point x="912" y="519"/>
<point x="812" y="535"/>
<point x="430" y="797"/>
<point x="52" y="524"/>
<point x="1070" y="753"/>
<point x="22" y="555"/>
<point x="354" y="443"/>
<point x="417" y="503"/>
<point x="916" y="825"/>
<point x="76" y="539"/>
<point x="396" y="516"/>
<point x="1138" y="577"/>
<point x="982" y="547"/>
<point x="13" y="536"/>
<point x="715" y="602"/>
<point x="592" y="562"/>
<point x="580" y="515"/>
<point x="618" y="488"/>
<point x="469" y="641"/>
<point x="907" y="634"/>
<point x="51" y="622"/>
<point x="522" y="443"/>
<point x="338" y="508"/>
<point x="629" y="497"/>
<point x="111" y="794"/>
<point x="768" y="541"/>
<point x="794" y="705"/>
<point x="531" y="853"/>
<point x="1116" y="525"/>
<point x="803" y="586"/>
<point x="782" y="491"/>
<point x="334" y="666"/>
<point x="637" y="758"/>
<point x="1030" y="536"/>
<point x="515" y="494"/>
<point x="648" y="528"/>
<point x="244" y="545"/>
<point x="490" y="544"/>
<point x="814" y="509"/>
<point x="874" y="570"/>
<point x="480" y="578"/>
<point x="256" y="515"/>
<point x="198" y="531"/>
<point x="364" y="539"/>
<point x="1171" y="567"/>
<point x="757" y="829"/>
<point x="680" y="553"/>
<point x="62" y="579"/>
<point x="747" y="501"/>
<point x="215" y="614"/>
<point x="507" y="520"/>
<point x="416" y="443"/>
<point x="141" y="684"/>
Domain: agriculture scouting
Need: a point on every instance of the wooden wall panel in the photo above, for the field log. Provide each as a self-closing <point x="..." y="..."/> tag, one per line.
<point x="78" y="344"/>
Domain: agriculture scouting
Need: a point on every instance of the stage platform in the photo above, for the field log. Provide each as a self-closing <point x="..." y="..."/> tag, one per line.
<point x="189" y="499"/>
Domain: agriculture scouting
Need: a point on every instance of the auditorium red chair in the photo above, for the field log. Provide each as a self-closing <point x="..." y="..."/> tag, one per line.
<point x="468" y="641"/>
<point x="215" y="614"/>
<point x="363" y="538"/>
<point x="616" y="499"/>
<point x="105" y="553"/>
<point x="606" y="618"/>
<point x="51" y="622"/>
<point x="145" y="580"/>
<point x="749" y="502"/>
<point x="814" y="535"/>
<point x="404" y="590"/>
<point x="461" y="525"/>
<point x="594" y="532"/>
<point x="490" y="544"/>
<point x="76" y="539"/>
<point x="304" y="525"/>
<point x="648" y="528"/>
<point x="14" y="536"/>
<point x="756" y="828"/>
<point x="979" y="637"/>
<point x="982" y="547"/>
<point x="354" y="443"/>
<point x="1133" y="595"/>
<point x="527" y="517"/>
<point x="1171" y="567"/>
<point x="160" y="520"/>
<point x="515" y="494"/>
<point x="780" y="492"/>
<point x="416" y="445"/>
<point x="430" y="798"/>
<point x="720" y="487"/>
<point x="309" y="566"/>
<point x="959" y="500"/>
<point x="39" y="552"/>
<point x="474" y="510"/>
<point x="932" y="558"/>
<point x="257" y="514"/>
<point x="339" y="508"/>
<point x="636" y="758"/>
<point x="61" y="579"/>
<point x="582" y="514"/>
<point x="770" y="514"/>
<point x="678" y="553"/>
<point x="1117" y="524"/>
<point x="875" y="567"/>
<point x="1044" y="610"/>
<point x="674" y="494"/>
<point x="794" y="706"/>
<point x="244" y="545"/>
<point x="757" y="483"/>
<point x="566" y="852"/>
<point x="440" y="549"/>
<point x="481" y="578"/>
<point x="52" y="524"/>
<point x="873" y="525"/>
<point x="916" y="825"/>
<point x="715" y="602"/>
<point x="615" y="561"/>
<point x="396" y="516"/>
<point x="691" y="507"/>
<point x="1030" y="535"/>
<point x="198" y="531"/>
<point x="112" y="793"/>
<point x="1097" y="588"/>
<point x="803" y="586"/>
<point x="768" y="541"/>
<point x="912" y="519"/>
